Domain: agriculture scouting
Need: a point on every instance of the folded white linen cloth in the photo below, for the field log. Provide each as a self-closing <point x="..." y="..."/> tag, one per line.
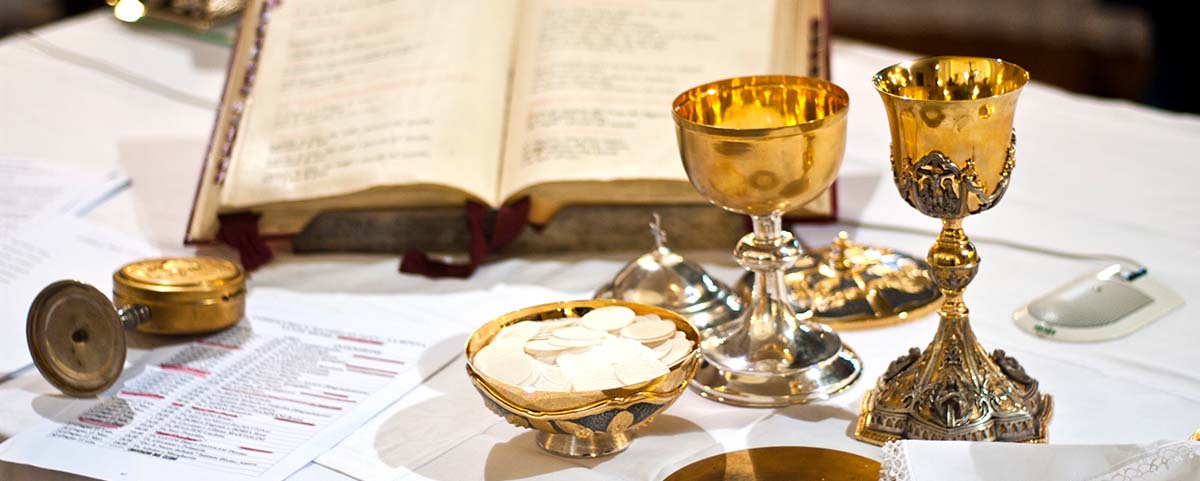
<point x="968" y="461"/>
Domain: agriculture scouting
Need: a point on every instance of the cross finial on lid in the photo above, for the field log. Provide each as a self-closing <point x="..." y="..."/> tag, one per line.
<point x="660" y="236"/>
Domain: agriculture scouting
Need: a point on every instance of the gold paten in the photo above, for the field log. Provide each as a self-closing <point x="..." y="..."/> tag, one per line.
<point x="582" y="423"/>
<point x="953" y="152"/>
<point x="780" y="463"/>
<point x="762" y="146"/>
<point x="186" y="295"/>
<point x="851" y="286"/>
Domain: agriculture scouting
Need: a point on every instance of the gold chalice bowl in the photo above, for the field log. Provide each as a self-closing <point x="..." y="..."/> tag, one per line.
<point x="762" y="146"/>
<point x="582" y="423"/>
<point x="952" y="153"/>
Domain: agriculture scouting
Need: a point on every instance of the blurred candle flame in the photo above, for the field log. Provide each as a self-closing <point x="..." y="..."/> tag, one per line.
<point x="129" y="10"/>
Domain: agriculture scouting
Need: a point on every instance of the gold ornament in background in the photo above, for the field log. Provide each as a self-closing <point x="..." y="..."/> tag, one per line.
<point x="952" y="156"/>
<point x="762" y="146"/>
<point x="194" y="14"/>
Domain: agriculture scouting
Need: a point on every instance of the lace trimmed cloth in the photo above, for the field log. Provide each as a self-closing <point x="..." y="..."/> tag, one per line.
<point x="963" y="461"/>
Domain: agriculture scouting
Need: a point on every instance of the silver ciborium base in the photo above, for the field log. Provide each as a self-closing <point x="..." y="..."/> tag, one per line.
<point x="749" y="389"/>
<point x="770" y="355"/>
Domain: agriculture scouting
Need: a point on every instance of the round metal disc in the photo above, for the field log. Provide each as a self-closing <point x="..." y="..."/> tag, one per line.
<point x="75" y="338"/>
<point x="854" y="286"/>
<point x="780" y="463"/>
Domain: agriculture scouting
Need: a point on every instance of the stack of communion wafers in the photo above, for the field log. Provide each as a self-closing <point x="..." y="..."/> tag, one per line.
<point x="607" y="348"/>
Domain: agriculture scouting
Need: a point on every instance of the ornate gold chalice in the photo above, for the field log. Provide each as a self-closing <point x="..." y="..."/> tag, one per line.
<point x="762" y="146"/>
<point x="953" y="149"/>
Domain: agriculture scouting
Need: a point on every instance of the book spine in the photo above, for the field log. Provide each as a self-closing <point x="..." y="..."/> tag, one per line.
<point x="229" y="131"/>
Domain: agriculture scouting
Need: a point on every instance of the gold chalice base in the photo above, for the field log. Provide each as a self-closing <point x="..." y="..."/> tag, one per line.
<point x="780" y="463"/>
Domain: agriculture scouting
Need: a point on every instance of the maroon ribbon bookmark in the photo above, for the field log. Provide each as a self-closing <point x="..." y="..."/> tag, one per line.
<point x="240" y="231"/>
<point x="510" y="221"/>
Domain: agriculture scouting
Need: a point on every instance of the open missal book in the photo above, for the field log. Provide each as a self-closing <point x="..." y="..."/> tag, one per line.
<point x="356" y="104"/>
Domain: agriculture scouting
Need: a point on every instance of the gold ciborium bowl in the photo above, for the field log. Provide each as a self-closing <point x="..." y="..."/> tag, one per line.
<point x="582" y="423"/>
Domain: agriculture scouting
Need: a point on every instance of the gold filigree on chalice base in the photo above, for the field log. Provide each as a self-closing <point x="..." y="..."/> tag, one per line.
<point x="946" y="114"/>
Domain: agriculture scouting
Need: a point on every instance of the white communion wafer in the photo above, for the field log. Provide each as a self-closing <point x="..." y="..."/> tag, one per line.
<point x="663" y="349"/>
<point x="580" y="354"/>
<point x="550" y="326"/>
<point x="639" y="370"/>
<point x="679" y="349"/>
<point x="578" y="333"/>
<point x="573" y="343"/>
<point x="570" y="361"/>
<point x="504" y="344"/>
<point x="521" y="331"/>
<point x="617" y="349"/>
<point x="652" y="343"/>
<point x="543" y="347"/>
<point x="551" y="378"/>
<point x="505" y="364"/>
<point x="608" y="318"/>
<point x="649" y="330"/>
<point x="594" y="378"/>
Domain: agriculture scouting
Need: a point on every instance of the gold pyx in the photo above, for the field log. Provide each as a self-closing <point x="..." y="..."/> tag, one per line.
<point x="952" y="156"/>
<point x="762" y="146"/>
<point x="188" y="295"/>
<point x="76" y="336"/>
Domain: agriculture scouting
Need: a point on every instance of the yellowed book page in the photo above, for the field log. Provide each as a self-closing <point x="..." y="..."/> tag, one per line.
<point x="355" y="94"/>
<point x="594" y="81"/>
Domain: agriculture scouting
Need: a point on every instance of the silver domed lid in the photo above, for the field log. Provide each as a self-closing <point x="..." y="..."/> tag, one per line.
<point x="665" y="279"/>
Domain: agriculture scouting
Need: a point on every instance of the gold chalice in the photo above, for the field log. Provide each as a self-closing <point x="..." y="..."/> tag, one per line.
<point x="763" y="146"/>
<point x="952" y="154"/>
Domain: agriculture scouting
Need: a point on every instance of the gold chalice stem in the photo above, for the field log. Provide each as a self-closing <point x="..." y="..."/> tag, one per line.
<point x="953" y="263"/>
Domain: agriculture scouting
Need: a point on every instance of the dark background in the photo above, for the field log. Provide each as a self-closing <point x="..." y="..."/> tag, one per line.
<point x="1129" y="49"/>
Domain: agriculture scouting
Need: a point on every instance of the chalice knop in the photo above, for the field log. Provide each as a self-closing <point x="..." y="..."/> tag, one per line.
<point x="952" y="154"/>
<point x="762" y="146"/>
